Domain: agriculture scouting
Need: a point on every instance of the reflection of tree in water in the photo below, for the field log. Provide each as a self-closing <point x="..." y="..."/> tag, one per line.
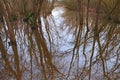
<point x="30" y="41"/>
<point x="97" y="23"/>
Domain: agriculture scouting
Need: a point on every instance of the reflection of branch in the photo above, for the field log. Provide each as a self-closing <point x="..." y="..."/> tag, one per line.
<point x="85" y="39"/>
<point x="4" y="57"/>
<point x="117" y="4"/>
<point x="101" y="56"/>
<point x="96" y="36"/>
<point x="79" y="33"/>
<point x="96" y="33"/>
<point x="6" y="12"/>
<point x="93" y="47"/>
<point x="84" y="49"/>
